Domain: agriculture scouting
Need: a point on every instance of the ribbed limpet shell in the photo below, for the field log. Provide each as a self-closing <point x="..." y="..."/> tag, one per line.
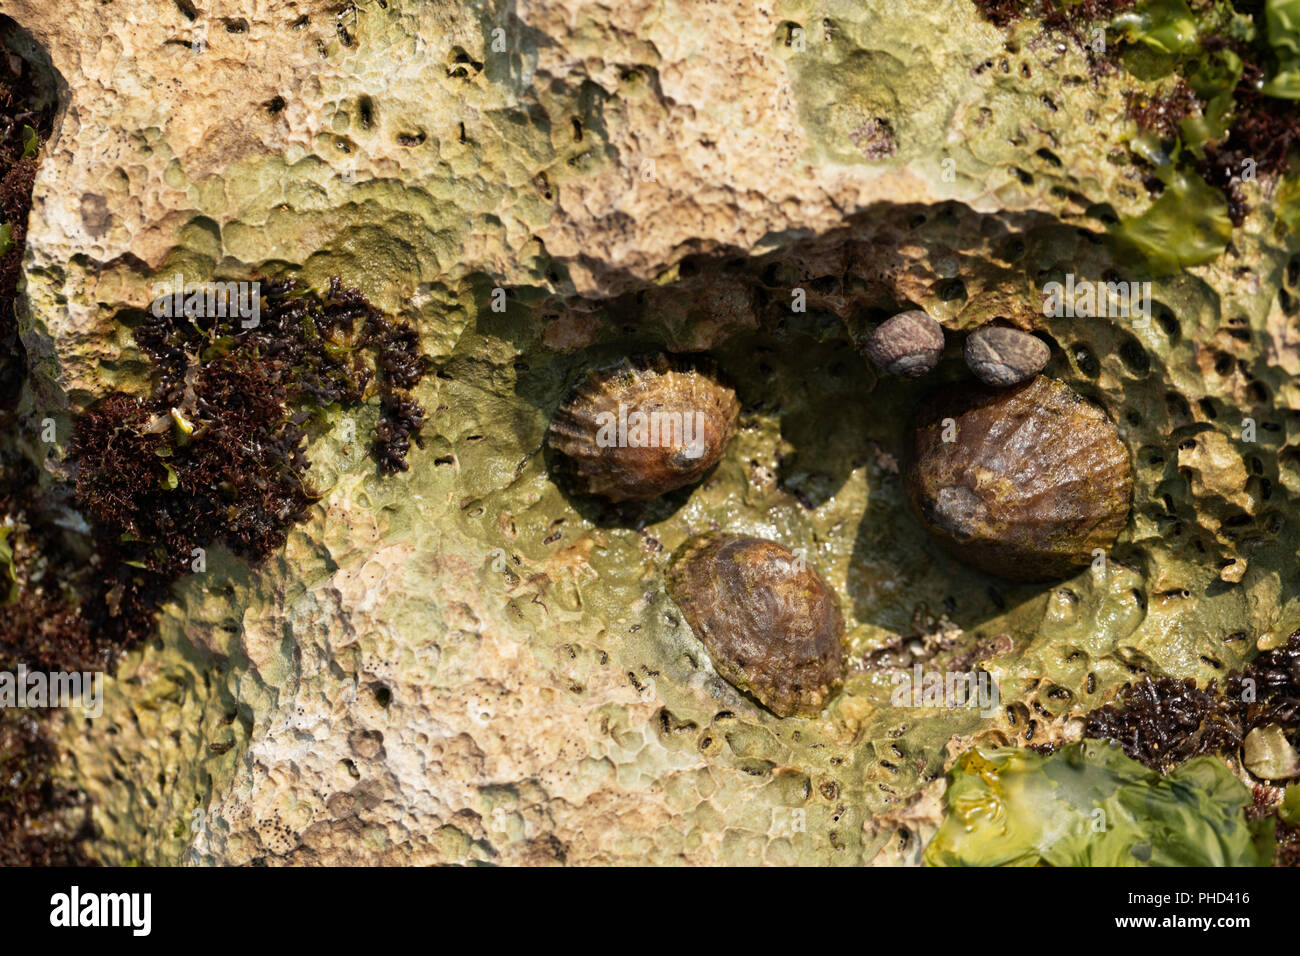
<point x="1025" y="483"/>
<point x="771" y="625"/>
<point x="640" y="429"/>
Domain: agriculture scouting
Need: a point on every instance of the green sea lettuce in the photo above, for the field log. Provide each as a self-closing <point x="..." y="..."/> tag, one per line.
<point x="1166" y="26"/>
<point x="1187" y="225"/>
<point x="1283" y="18"/>
<point x="1289" y="810"/>
<point x="1090" y="805"/>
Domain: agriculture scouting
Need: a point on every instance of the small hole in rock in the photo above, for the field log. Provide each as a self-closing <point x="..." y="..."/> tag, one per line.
<point x="1135" y="357"/>
<point x="1086" y="361"/>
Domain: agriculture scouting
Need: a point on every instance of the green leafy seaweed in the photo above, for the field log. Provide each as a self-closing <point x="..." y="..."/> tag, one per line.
<point x="1166" y="26"/>
<point x="1289" y="810"/>
<point x="1090" y="805"/>
<point x="1283" y="19"/>
<point x="1187" y="225"/>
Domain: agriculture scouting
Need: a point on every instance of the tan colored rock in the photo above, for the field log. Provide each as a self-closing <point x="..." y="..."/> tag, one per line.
<point x="1269" y="755"/>
<point x="458" y="664"/>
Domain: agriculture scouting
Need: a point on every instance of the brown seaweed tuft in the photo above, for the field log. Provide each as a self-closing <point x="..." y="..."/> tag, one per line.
<point x="1165" y="722"/>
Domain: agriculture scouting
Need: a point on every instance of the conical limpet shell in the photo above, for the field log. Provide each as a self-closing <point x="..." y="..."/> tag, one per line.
<point x="638" y="430"/>
<point x="1023" y="483"/>
<point x="771" y="625"/>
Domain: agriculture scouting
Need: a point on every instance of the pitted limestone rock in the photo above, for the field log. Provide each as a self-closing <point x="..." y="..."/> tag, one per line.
<point x="460" y="664"/>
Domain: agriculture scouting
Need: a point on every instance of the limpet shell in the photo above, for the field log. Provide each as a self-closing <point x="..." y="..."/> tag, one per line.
<point x="1033" y="480"/>
<point x="640" y="429"/>
<point x="771" y="625"/>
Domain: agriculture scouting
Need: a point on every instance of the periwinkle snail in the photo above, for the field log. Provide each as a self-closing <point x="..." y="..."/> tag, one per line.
<point x="643" y="428"/>
<point x="908" y="345"/>
<point x="1002" y="356"/>
<point x="1024" y="483"/>
<point x="771" y="625"/>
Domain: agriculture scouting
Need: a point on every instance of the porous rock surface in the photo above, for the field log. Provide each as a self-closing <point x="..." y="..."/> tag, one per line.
<point x="462" y="664"/>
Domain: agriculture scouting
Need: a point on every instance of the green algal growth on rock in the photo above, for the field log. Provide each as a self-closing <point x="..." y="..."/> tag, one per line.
<point x="1212" y="108"/>
<point x="8" y="580"/>
<point x="217" y="454"/>
<point x="1289" y="811"/>
<point x="1090" y="805"/>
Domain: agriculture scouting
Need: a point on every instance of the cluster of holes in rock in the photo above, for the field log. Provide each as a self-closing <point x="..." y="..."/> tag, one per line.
<point x="1083" y="361"/>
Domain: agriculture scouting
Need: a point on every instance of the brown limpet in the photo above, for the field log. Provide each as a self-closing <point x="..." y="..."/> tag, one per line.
<point x="771" y="625"/>
<point x="1030" y="482"/>
<point x="642" y="428"/>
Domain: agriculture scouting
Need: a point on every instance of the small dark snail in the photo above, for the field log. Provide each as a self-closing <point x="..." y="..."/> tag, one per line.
<point x="772" y="627"/>
<point x="1023" y="483"/>
<point x="638" y="430"/>
<point x="1002" y="356"/>
<point x="909" y="344"/>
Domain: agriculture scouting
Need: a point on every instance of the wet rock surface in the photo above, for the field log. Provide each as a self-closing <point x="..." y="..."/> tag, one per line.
<point x="459" y="663"/>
